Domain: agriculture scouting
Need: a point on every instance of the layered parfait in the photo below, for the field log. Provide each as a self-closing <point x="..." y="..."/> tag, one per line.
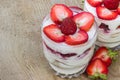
<point x="68" y="36"/>
<point x="107" y="15"/>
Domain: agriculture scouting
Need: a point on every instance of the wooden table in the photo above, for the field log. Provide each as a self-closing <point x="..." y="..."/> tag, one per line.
<point x="21" y="56"/>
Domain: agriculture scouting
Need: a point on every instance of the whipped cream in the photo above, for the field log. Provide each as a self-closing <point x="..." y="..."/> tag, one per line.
<point x="72" y="64"/>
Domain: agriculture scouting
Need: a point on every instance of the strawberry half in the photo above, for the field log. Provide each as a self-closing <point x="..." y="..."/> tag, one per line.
<point x="60" y="12"/>
<point x="79" y="37"/>
<point x="95" y="3"/>
<point x="97" y="69"/>
<point x="106" y="14"/>
<point x="84" y="20"/>
<point x="54" y="33"/>
<point x="106" y="55"/>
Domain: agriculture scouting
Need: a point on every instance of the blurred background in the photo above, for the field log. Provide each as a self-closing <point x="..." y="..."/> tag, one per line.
<point x="21" y="56"/>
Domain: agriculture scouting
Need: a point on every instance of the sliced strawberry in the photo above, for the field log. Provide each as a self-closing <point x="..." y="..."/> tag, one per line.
<point x="95" y="3"/>
<point x="111" y="4"/>
<point x="118" y="9"/>
<point x="60" y="12"/>
<point x="106" y="14"/>
<point x="54" y="33"/>
<point x="97" y="69"/>
<point x="79" y="37"/>
<point x="84" y="20"/>
<point x="68" y="26"/>
<point x="106" y="55"/>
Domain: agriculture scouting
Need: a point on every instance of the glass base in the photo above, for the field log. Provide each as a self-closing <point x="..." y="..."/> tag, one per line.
<point x="70" y="75"/>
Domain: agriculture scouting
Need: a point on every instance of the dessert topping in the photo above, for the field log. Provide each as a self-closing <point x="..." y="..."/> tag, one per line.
<point x="59" y="12"/>
<point x="95" y="3"/>
<point x="68" y="26"/>
<point x="84" y="20"/>
<point x="78" y="38"/>
<point x="53" y="32"/>
<point x="111" y="4"/>
<point x="105" y="13"/>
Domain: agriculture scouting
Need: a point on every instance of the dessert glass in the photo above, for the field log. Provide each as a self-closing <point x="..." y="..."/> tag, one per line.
<point x="108" y="36"/>
<point x="66" y="60"/>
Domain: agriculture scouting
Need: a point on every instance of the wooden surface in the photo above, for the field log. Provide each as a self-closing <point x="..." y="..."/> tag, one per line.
<point x="21" y="56"/>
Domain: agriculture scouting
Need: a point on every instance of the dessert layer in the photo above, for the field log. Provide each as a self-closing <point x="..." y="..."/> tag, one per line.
<point x="68" y="65"/>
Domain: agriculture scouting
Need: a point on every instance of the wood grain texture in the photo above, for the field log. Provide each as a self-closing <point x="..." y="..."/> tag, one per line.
<point x="21" y="56"/>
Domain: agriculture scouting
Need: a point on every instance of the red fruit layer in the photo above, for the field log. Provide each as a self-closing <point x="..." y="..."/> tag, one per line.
<point x="104" y="27"/>
<point x="68" y="55"/>
<point x="84" y="53"/>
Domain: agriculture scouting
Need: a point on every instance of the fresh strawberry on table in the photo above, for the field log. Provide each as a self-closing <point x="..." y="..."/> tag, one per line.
<point x="105" y="54"/>
<point x="97" y="69"/>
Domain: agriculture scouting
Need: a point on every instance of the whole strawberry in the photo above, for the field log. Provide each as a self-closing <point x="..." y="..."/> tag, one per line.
<point x="105" y="54"/>
<point x="97" y="69"/>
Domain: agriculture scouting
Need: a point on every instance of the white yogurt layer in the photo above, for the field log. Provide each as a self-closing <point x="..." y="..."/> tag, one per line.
<point x="70" y="65"/>
<point x="110" y="39"/>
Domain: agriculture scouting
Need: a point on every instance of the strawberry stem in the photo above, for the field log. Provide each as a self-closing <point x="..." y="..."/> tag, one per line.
<point x="112" y="53"/>
<point x="98" y="76"/>
<point x="103" y="76"/>
<point x="82" y="1"/>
